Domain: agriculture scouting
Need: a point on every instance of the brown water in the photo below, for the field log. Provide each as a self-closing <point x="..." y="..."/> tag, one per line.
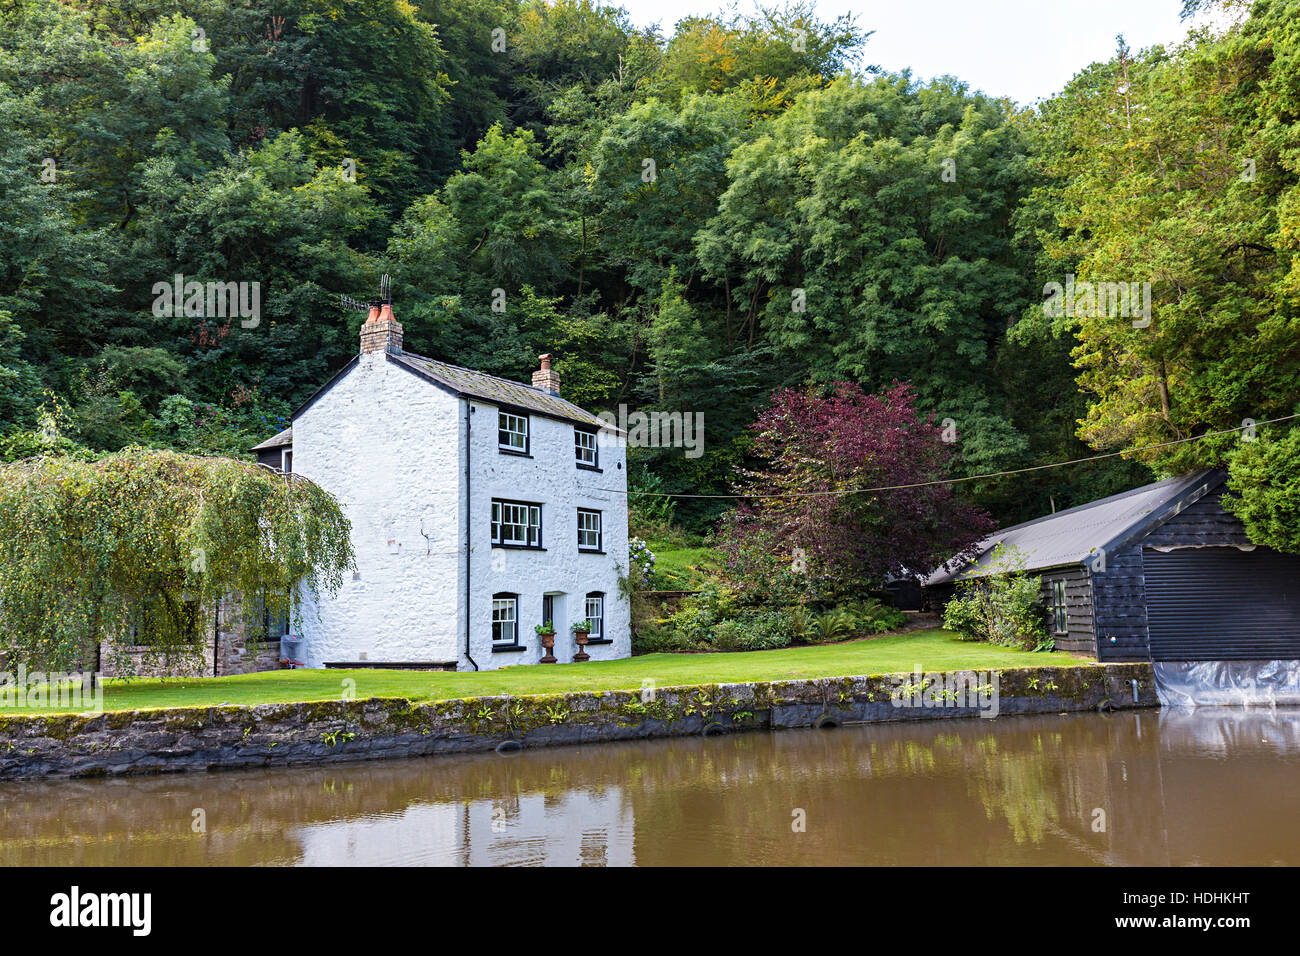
<point x="1212" y="788"/>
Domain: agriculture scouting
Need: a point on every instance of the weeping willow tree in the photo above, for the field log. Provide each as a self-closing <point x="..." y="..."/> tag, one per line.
<point x="138" y="546"/>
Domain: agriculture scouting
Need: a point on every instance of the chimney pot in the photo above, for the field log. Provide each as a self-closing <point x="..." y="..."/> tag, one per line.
<point x="547" y="379"/>
<point x="381" y="332"/>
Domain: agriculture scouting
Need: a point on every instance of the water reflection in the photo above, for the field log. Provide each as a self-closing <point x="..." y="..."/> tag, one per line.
<point x="1199" y="786"/>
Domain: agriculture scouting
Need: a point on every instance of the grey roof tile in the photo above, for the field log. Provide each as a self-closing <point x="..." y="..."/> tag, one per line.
<point x="276" y="441"/>
<point x="1071" y="536"/>
<point x="490" y="388"/>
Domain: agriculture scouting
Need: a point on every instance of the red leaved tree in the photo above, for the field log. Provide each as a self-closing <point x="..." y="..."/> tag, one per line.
<point x="822" y="446"/>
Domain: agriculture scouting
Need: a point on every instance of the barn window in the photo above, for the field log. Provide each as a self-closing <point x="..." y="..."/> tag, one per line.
<point x="1059" y="624"/>
<point x="512" y="433"/>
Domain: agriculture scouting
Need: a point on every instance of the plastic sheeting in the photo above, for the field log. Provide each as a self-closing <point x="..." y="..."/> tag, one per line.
<point x="1228" y="683"/>
<point x="1230" y="732"/>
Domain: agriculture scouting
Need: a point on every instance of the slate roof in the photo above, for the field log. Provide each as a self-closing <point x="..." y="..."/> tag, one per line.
<point x="466" y="382"/>
<point x="276" y="441"/>
<point x="500" y="391"/>
<point x="1074" y="535"/>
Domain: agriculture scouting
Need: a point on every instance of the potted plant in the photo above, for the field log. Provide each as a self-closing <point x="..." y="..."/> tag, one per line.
<point x="580" y="631"/>
<point x="546" y="633"/>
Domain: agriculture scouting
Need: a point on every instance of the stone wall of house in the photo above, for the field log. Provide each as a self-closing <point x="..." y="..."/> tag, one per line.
<point x="212" y="738"/>
<point x="236" y="653"/>
<point x="386" y="444"/>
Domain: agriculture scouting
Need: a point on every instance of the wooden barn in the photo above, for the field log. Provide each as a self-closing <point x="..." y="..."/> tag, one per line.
<point x="1159" y="573"/>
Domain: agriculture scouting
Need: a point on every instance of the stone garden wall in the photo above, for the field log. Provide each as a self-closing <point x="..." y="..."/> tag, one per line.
<point x="212" y="738"/>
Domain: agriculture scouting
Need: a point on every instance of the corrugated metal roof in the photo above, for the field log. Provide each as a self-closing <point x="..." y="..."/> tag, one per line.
<point x="489" y="388"/>
<point x="278" y="441"/>
<point x="1071" y="536"/>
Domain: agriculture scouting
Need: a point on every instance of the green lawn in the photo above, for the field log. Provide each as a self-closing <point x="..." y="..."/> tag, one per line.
<point x="931" y="650"/>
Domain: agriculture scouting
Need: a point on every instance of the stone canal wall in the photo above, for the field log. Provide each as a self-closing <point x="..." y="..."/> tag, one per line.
<point x="270" y="735"/>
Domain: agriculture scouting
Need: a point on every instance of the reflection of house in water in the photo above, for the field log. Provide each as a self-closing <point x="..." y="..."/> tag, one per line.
<point x="571" y="828"/>
<point x="1175" y="788"/>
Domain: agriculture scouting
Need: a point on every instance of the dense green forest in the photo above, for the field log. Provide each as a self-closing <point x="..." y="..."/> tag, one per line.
<point x="687" y="219"/>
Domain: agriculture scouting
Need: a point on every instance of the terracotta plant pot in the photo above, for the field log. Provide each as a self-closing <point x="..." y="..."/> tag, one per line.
<point x="580" y="638"/>
<point x="548" y="642"/>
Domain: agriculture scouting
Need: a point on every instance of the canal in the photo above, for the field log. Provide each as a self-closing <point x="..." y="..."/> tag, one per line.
<point x="1140" y="787"/>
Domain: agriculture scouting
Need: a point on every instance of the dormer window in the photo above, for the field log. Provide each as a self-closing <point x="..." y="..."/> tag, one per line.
<point x="512" y="433"/>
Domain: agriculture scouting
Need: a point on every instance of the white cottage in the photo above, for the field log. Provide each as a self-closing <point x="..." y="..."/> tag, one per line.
<point x="480" y="508"/>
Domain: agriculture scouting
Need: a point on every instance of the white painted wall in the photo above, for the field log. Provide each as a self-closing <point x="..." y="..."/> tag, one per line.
<point x="386" y="443"/>
<point x="549" y="477"/>
<point x="390" y="446"/>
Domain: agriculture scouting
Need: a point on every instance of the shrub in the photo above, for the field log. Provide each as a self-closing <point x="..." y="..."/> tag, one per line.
<point x="700" y="613"/>
<point x="1004" y="608"/>
<point x="961" y="615"/>
<point x="872" y="617"/>
<point x="802" y="624"/>
<point x="754" y="565"/>
<point x="659" y="637"/>
<point x="641" y="562"/>
<point x="753" y="630"/>
<point x="833" y="625"/>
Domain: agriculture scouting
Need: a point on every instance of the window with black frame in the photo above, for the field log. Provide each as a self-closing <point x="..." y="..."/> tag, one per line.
<point x="516" y="524"/>
<point x="512" y="433"/>
<point x="589" y="530"/>
<point x="584" y="449"/>
<point x="1060" y="625"/>
<point x="505" y="619"/>
<point x="595" y="608"/>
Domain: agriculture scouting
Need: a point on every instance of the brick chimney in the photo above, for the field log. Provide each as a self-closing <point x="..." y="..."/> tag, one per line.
<point x="381" y="332"/>
<point x="546" y="379"/>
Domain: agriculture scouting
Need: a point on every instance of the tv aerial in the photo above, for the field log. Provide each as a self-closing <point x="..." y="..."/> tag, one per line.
<point x="385" y="297"/>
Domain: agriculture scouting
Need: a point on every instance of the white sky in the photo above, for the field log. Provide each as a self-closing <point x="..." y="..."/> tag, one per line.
<point x="1025" y="49"/>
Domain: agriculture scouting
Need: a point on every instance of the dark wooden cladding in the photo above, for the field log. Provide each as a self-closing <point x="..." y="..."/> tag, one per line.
<point x="271" y="457"/>
<point x="1081" y="638"/>
<point x="1223" y="604"/>
<point x="1119" y="608"/>
<point x="1202" y="524"/>
<point x="1182" y="582"/>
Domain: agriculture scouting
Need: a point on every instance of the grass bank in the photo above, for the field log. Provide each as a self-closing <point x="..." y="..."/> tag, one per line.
<point x="931" y="650"/>
<point x="679" y="569"/>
